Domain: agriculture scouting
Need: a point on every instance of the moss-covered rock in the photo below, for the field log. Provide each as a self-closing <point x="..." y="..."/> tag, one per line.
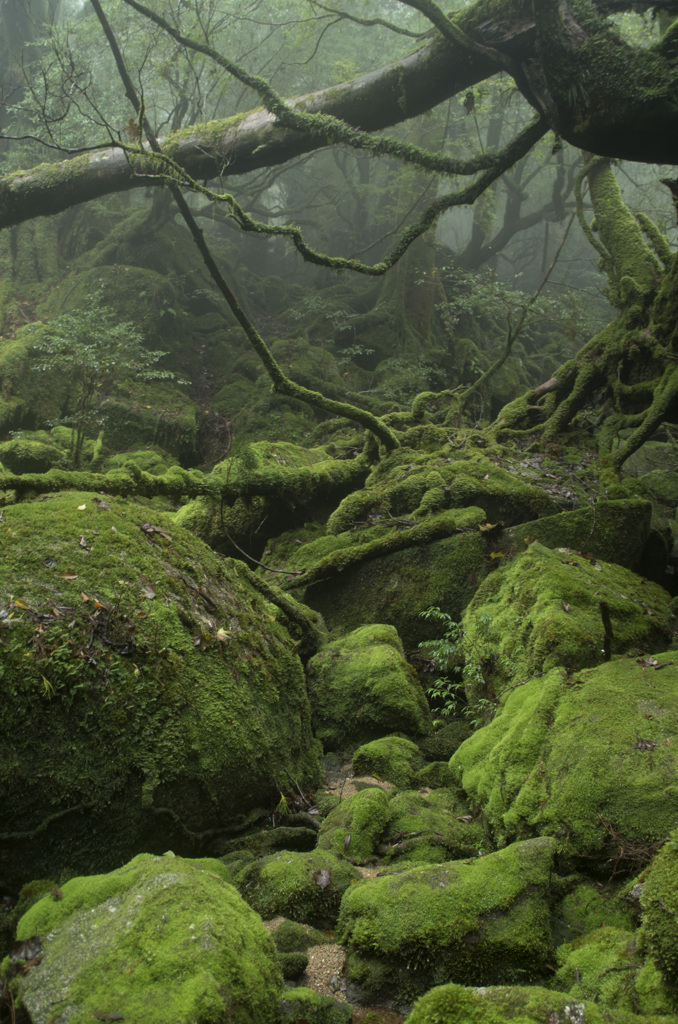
<point x="537" y="768"/>
<point x="548" y="608"/>
<point x="393" y="758"/>
<point x="453" y="1004"/>
<point x="608" y="967"/>
<point x="361" y="686"/>
<point x="589" y="907"/>
<point x="303" y="887"/>
<point x="430" y="829"/>
<point x="436" y="775"/>
<point x="394" y="588"/>
<point x="304" y="1006"/>
<point x="354" y="827"/>
<point x="161" y="940"/>
<point x="147" y="688"/>
<point x="659" y="901"/>
<point x="292" y="965"/>
<point x="293" y="937"/>
<point x="615" y="531"/>
<point x="445" y="740"/>
<point x="478" y="922"/>
<point x="25" y="455"/>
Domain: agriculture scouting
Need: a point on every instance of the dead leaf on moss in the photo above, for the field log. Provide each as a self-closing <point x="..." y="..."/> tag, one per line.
<point x="67" y="575"/>
<point x="148" y="592"/>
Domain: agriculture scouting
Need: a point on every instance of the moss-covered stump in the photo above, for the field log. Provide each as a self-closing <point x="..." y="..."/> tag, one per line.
<point x="160" y="941"/>
<point x="429" y="829"/>
<point x="475" y="922"/>
<point x="659" y="901"/>
<point x="453" y="1004"/>
<point x="304" y="887"/>
<point x="590" y="758"/>
<point x="304" y="1006"/>
<point x="361" y="686"/>
<point x="615" y="531"/>
<point x="149" y="693"/>
<point x="548" y="608"/>
<point x="393" y="758"/>
<point x="355" y="826"/>
<point x="608" y="967"/>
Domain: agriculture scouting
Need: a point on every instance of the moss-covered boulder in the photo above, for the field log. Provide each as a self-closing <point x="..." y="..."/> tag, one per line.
<point x="475" y="922"/>
<point x="659" y="901"/>
<point x="393" y="758"/>
<point x="161" y="940"/>
<point x="304" y="1006"/>
<point x="361" y="686"/>
<point x="148" y="690"/>
<point x="355" y="826"/>
<point x="589" y="758"/>
<point x="430" y="829"/>
<point x="30" y="455"/>
<point x="608" y="967"/>
<point x="435" y="775"/>
<point x="453" y="1004"/>
<point x="614" y="531"/>
<point x="445" y="740"/>
<point x="588" y="907"/>
<point x="293" y="937"/>
<point x="548" y="608"/>
<point x="304" y="887"/>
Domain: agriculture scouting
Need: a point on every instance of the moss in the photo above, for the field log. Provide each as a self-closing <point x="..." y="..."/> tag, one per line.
<point x="292" y="965"/>
<point x="615" y="531"/>
<point x="153" y="460"/>
<point x="309" y="1007"/>
<point x="360" y="819"/>
<point x="394" y="588"/>
<point x="22" y="455"/>
<point x="587" y="908"/>
<point x="159" y="939"/>
<point x="361" y="686"/>
<point x="453" y="1004"/>
<point x="544" y="609"/>
<point x="303" y="887"/>
<point x="436" y="775"/>
<point x="537" y="767"/>
<point x="604" y="966"/>
<point x="445" y="741"/>
<point x="393" y="758"/>
<point x="478" y="922"/>
<point x="292" y="937"/>
<point x="147" y="687"/>
<point x="429" y="829"/>
<point x="659" y="901"/>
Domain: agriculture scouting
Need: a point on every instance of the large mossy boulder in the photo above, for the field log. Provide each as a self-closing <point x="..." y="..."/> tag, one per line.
<point x="476" y="922"/>
<point x="361" y="686"/>
<point x="454" y="1004"/>
<point x="589" y="758"/>
<point x="305" y="887"/>
<point x="557" y="608"/>
<point x="161" y="940"/>
<point x="149" y="693"/>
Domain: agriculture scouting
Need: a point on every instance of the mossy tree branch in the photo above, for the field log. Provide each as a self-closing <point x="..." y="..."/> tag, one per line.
<point x="281" y="383"/>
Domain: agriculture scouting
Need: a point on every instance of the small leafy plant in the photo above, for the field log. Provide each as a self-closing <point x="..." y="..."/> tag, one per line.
<point x="96" y="353"/>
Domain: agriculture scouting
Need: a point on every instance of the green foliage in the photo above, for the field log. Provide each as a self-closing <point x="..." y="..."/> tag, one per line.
<point x="94" y="352"/>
